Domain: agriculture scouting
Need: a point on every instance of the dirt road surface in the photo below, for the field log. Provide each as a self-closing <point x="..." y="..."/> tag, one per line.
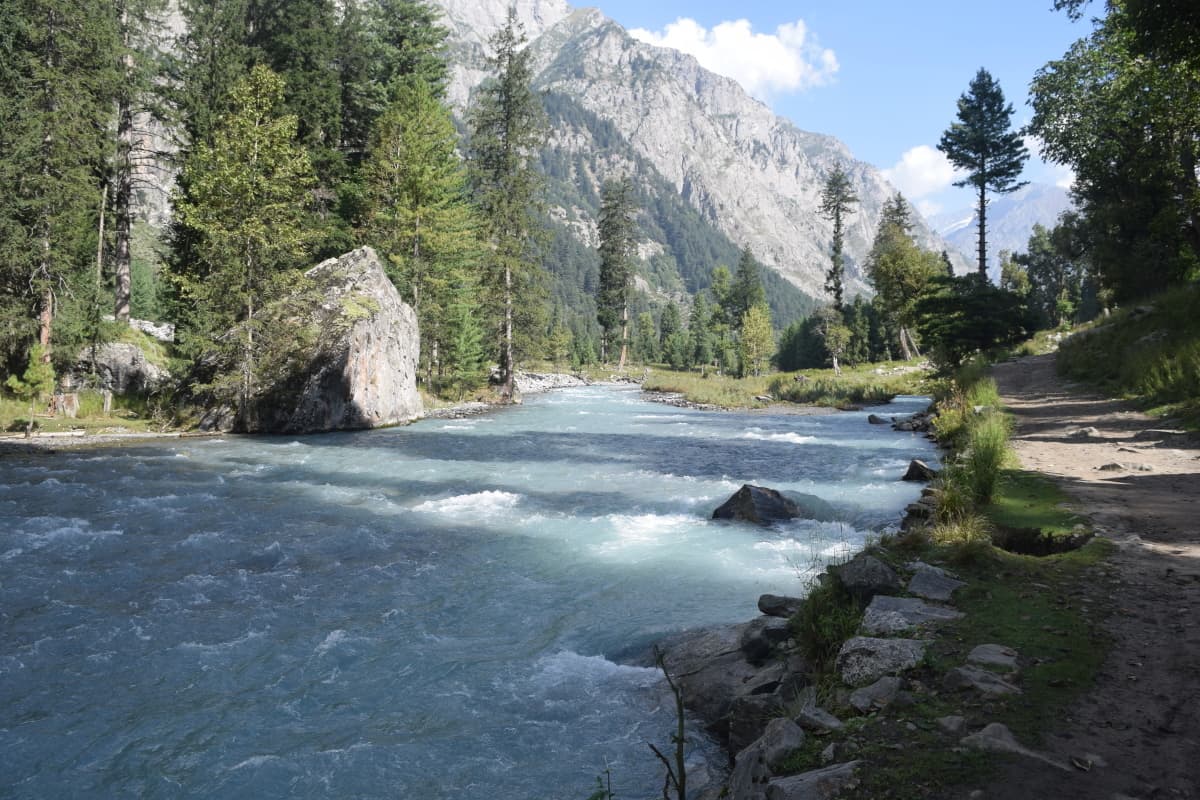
<point x="1137" y="481"/>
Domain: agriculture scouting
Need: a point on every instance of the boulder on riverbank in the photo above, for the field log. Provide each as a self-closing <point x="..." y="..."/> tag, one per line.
<point x="117" y="367"/>
<point x="354" y="367"/>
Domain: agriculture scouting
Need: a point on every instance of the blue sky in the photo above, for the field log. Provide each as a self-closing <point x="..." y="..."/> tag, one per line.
<point x="882" y="76"/>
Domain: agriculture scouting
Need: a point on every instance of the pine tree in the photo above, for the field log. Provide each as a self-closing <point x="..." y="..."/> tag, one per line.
<point x="900" y="271"/>
<point x="747" y="291"/>
<point x="616" y="265"/>
<point x="418" y="215"/>
<point x="409" y="42"/>
<point x="669" y="323"/>
<point x="247" y="208"/>
<point x="57" y="82"/>
<point x="209" y="57"/>
<point x="507" y="125"/>
<point x="837" y="201"/>
<point x="34" y="384"/>
<point x="983" y="144"/>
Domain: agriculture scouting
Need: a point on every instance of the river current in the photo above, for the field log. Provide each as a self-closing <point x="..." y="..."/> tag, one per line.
<point x="445" y="610"/>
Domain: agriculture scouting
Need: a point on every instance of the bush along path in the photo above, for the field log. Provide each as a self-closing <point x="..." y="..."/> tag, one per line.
<point x="990" y="649"/>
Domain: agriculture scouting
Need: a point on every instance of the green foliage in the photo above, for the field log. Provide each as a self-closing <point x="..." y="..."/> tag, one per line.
<point x="982" y="144"/>
<point x="900" y="271"/>
<point x="35" y="383"/>
<point x="828" y="617"/>
<point x="1150" y="353"/>
<point x="1126" y="125"/>
<point x="958" y="317"/>
<point x="987" y="454"/>
<point x="838" y="391"/>
<point x="244" y="201"/>
<point x="1030" y="501"/>
<point x="757" y="340"/>
<point x="837" y="201"/>
<point x="508" y="127"/>
<point x="617" y="243"/>
<point x="745" y="292"/>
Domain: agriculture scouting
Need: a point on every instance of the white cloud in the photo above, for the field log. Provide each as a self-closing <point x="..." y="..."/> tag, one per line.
<point x="922" y="171"/>
<point x="789" y="60"/>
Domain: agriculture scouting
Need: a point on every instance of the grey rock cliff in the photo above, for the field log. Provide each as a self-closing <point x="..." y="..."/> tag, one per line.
<point x="362" y="370"/>
<point x="754" y="175"/>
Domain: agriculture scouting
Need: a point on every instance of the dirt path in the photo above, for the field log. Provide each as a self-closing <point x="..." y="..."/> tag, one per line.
<point x="1138" y="482"/>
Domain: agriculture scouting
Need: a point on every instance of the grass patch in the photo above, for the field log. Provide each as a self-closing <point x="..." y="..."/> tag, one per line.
<point x="828" y="617"/>
<point x="1031" y="500"/>
<point x="709" y="388"/>
<point x="1149" y="353"/>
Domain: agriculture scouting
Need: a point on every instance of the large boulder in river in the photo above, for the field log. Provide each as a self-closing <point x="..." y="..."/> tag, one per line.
<point x="360" y="368"/>
<point x="758" y="504"/>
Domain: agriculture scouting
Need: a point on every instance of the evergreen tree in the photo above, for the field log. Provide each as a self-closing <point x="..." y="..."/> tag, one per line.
<point x="409" y="42"/>
<point x="721" y="291"/>
<point x="210" y="56"/>
<point x="464" y="359"/>
<point x="983" y="144"/>
<point x="417" y="213"/>
<point x="507" y="130"/>
<point x="747" y="291"/>
<point x="757" y="341"/>
<point x="900" y="271"/>
<point x="700" y="347"/>
<point x="669" y="324"/>
<point x="645" y="345"/>
<point x="34" y="384"/>
<point x="57" y="83"/>
<point x="837" y="201"/>
<point x="246" y="206"/>
<point x="1054" y="281"/>
<point x="897" y="214"/>
<point x="616" y="265"/>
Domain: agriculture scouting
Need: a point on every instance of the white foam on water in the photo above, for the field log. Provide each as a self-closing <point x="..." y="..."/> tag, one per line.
<point x="215" y="647"/>
<point x="757" y="434"/>
<point x="644" y="531"/>
<point x="254" y="761"/>
<point x="569" y="667"/>
<point x="470" y="504"/>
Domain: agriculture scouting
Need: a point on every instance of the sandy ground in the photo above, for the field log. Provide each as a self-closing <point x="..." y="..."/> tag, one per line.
<point x="1138" y="481"/>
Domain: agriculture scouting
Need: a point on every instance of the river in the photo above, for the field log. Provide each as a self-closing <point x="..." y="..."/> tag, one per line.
<point x="443" y="610"/>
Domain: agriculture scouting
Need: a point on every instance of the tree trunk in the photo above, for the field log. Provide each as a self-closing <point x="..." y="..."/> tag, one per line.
<point x="506" y="367"/>
<point x="905" y="353"/>
<point x="983" y="231"/>
<point x="123" y="194"/>
<point x="624" y="335"/>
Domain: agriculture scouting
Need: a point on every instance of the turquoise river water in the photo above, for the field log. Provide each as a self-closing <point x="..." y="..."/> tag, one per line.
<point x="445" y="610"/>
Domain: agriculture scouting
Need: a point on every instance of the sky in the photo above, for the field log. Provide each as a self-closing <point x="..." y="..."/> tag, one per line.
<point x="883" y="76"/>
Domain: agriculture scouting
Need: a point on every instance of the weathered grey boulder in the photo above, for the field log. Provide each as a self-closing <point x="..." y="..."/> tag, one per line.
<point x="819" y="784"/>
<point x="865" y="576"/>
<point x="994" y="655"/>
<point x="759" y="505"/>
<point x="761" y="636"/>
<point x="361" y="370"/>
<point x="879" y="694"/>
<point x="718" y="680"/>
<point x="780" y="739"/>
<point x="997" y="738"/>
<point x="952" y="723"/>
<point x="865" y="659"/>
<point x="932" y="583"/>
<point x="748" y="717"/>
<point x="119" y="367"/>
<point x="750" y="776"/>
<point x="918" y="470"/>
<point x="774" y="605"/>
<point x="890" y="615"/>
<point x="980" y="680"/>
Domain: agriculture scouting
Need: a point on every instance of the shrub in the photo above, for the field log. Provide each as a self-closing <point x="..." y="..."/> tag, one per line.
<point x="828" y="618"/>
<point x="968" y="539"/>
<point x="987" y="455"/>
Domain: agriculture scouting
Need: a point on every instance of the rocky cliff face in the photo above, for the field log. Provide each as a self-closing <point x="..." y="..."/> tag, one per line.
<point x="753" y="175"/>
<point x="363" y="370"/>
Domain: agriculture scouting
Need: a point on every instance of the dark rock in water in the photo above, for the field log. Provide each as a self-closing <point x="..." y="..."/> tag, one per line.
<point x="759" y="505"/>
<point x="761" y="636"/>
<point x="865" y="576"/>
<point x="919" y="471"/>
<point x="774" y="605"/>
<point x="875" y="419"/>
<point x="359" y="371"/>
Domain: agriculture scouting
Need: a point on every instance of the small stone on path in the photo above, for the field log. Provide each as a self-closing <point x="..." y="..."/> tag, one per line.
<point x="997" y="738"/>
<point x="994" y="655"/>
<point x="932" y="583"/>
<point x="864" y="659"/>
<point x="979" y="680"/>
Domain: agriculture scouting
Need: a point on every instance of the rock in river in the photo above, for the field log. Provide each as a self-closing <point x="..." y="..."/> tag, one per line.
<point x="758" y="504"/>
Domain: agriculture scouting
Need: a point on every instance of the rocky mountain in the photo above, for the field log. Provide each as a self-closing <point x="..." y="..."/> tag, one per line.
<point x="1010" y="219"/>
<point x="753" y="176"/>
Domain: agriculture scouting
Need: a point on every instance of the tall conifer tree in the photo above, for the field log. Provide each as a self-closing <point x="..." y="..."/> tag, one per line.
<point x="507" y="125"/>
<point x="983" y="144"/>
<point x="616" y="265"/>
<point x="837" y="201"/>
